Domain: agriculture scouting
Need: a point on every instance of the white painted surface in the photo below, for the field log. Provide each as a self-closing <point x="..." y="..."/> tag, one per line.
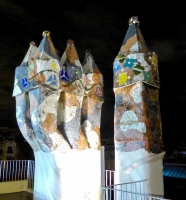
<point x="140" y="165"/>
<point x="75" y="175"/>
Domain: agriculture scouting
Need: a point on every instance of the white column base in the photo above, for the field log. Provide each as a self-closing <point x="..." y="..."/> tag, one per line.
<point x="67" y="176"/>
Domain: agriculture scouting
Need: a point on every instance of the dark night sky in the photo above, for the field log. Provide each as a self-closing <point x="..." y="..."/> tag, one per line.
<point x="100" y="27"/>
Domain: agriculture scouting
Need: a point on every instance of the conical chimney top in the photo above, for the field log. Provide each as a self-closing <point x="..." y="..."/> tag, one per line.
<point x="46" y="49"/>
<point x="134" y="61"/>
<point x="89" y="64"/>
<point x="70" y="56"/>
<point x="134" y="41"/>
<point x="29" y="57"/>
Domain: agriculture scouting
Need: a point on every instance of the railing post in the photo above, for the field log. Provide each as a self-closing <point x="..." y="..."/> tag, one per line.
<point x="102" y="172"/>
<point x="28" y="170"/>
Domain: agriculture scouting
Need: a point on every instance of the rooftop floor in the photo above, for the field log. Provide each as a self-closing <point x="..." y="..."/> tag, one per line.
<point x="17" y="196"/>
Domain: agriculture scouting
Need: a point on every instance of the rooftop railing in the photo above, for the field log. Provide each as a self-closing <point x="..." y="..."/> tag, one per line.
<point x="15" y="170"/>
<point x="125" y="191"/>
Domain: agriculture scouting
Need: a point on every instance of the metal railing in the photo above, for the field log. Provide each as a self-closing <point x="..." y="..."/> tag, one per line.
<point x="109" y="177"/>
<point x="16" y="170"/>
<point x="125" y="191"/>
<point x="121" y="192"/>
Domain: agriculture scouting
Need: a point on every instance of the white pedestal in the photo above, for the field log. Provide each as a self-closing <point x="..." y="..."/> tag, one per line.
<point x="75" y="175"/>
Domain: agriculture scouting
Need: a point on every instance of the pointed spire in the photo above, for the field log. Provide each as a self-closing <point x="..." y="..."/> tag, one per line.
<point x="71" y="66"/>
<point x="93" y="79"/>
<point x="70" y="56"/>
<point x="89" y="64"/>
<point x="134" y="61"/>
<point x="46" y="49"/>
<point x="29" y="57"/>
<point x="134" y="41"/>
<point x="21" y="82"/>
